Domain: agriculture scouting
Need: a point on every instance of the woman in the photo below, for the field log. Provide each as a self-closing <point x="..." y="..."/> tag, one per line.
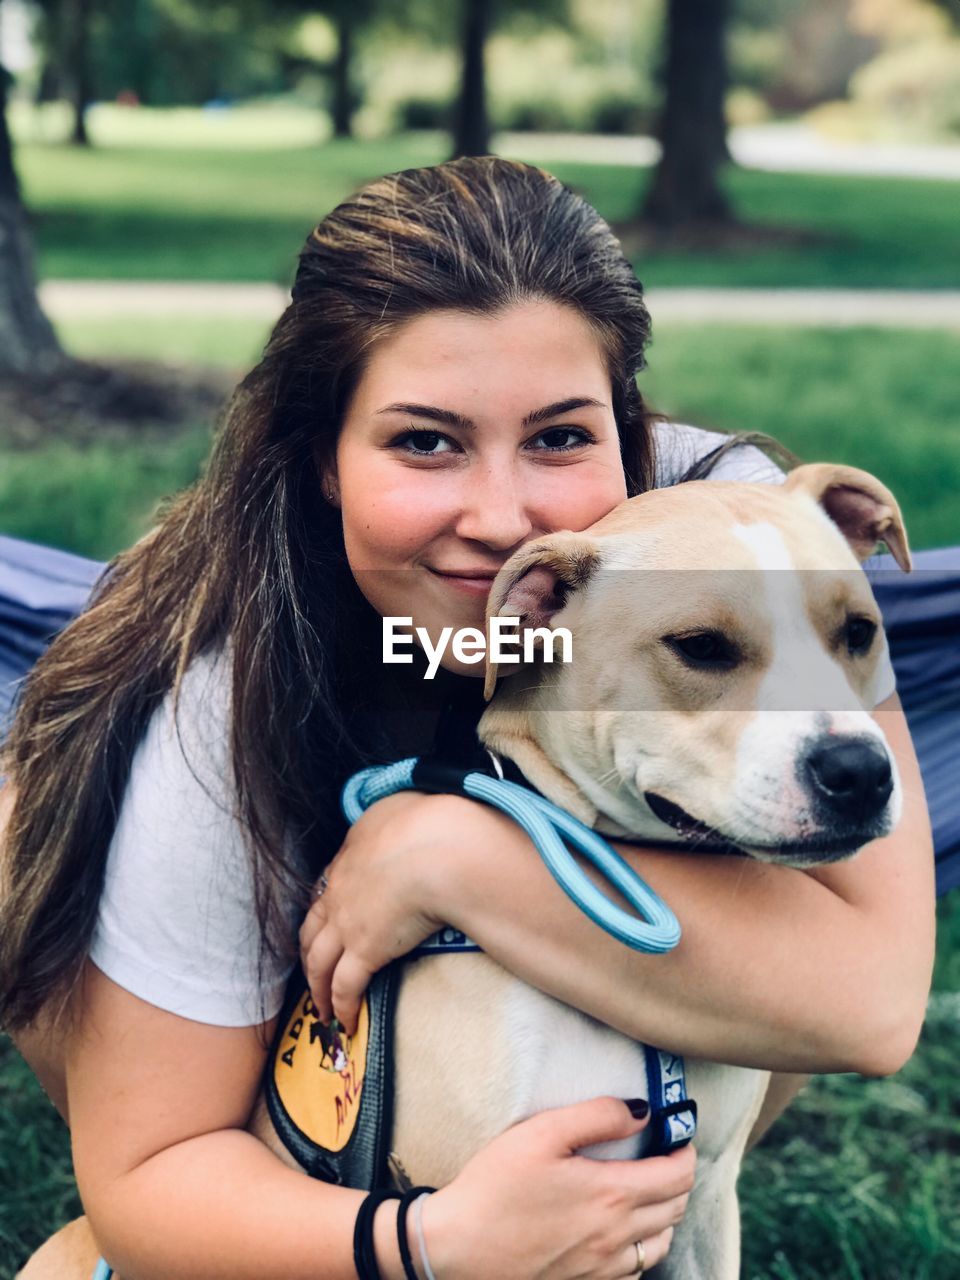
<point x="454" y="375"/>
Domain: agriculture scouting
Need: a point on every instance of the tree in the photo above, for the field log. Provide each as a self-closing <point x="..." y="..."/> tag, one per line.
<point x="28" y="344"/>
<point x="349" y="18"/>
<point x="478" y="18"/>
<point x="66" y="36"/>
<point x="471" y="130"/>
<point x="692" y="131"/>
<point x="342" y="96"/>
<point x="78" y="68"/>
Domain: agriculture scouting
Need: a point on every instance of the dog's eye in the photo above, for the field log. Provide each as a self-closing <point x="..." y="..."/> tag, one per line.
<point x="859" y="633"/>
<point x="705" y="649"/>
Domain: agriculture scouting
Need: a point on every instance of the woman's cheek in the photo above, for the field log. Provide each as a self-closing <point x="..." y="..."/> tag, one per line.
<point x="395" y="522"/>
<point x="576" y="497"/>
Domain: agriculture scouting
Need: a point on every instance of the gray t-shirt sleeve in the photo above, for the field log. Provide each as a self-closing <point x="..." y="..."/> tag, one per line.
<point x="177" y="923"/>
<point x="679" y="446"/>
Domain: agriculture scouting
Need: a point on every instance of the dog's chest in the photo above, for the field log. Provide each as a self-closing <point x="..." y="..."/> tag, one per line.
<point x="478" y="1050"/>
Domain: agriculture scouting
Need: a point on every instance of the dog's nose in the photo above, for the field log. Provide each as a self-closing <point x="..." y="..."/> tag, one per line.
<point x="851" y="778"/>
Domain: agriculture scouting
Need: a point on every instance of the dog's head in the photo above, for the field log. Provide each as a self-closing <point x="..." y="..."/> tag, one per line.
<point x="727" y="651"/>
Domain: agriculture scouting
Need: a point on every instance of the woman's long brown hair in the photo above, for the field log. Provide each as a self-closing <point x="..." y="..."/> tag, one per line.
<point x="252" y="554"/>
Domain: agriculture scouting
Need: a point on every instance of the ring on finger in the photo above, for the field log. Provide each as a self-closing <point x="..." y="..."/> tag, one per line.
<point x="319" y="887"/>
<point x="641" y="1257"/>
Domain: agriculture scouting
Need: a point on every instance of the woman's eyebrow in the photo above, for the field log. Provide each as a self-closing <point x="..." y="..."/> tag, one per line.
<point x="452" y="419"/>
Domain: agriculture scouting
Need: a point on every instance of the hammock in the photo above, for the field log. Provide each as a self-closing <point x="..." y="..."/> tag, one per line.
<point x="41" y="589"/>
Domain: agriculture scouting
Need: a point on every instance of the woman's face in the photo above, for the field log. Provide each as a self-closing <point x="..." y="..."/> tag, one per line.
<point x="467" y="436"/>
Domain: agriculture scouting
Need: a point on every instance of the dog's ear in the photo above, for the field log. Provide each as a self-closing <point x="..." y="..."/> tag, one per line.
<point x="863" y="509"/>
<point x="535" y="583"/>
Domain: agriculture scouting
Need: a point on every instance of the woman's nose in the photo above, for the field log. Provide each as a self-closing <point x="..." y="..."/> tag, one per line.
<point x="496" y="509"/>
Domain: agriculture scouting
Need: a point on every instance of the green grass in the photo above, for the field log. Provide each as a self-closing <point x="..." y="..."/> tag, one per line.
<point x="185" y="213"/>
<point x="860" y="1178"/>
<point x="882" y="400"/>
<point x="258" y="123"/>
<point x="120" y="486"/>
<point x="195" y="210"/>
<point x="37" y="1190"/>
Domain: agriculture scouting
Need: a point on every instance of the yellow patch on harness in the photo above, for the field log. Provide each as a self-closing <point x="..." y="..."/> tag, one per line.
<point x="318" y="1071"/>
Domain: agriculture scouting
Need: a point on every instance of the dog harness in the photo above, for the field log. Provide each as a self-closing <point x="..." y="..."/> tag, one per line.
<point x="338" y="1129"/>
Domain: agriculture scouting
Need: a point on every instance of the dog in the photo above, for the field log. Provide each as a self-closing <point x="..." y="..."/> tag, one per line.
<point x="659" y="731"/>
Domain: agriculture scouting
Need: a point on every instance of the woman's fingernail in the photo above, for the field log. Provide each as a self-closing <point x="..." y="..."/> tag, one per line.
<point x="639" y="1108"/>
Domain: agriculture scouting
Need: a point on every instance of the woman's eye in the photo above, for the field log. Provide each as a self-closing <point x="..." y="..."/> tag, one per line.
<point x="559" y="439"/>
<point x="428" y="444"/>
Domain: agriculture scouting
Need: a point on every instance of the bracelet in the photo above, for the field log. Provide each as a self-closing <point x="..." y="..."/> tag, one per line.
<point x="421" y="1242"/>
<point x="364" y="1254"/>
<point x="407" y="1200"/>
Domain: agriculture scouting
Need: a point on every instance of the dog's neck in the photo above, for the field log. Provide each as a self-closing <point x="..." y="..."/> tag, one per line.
<point x="505" y="728"/>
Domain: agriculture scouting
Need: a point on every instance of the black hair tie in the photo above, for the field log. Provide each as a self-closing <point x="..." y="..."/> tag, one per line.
<point x="364" y="1254"/>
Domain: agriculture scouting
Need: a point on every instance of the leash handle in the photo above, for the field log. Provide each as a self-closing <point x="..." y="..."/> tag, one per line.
<point x="551" y="829"/>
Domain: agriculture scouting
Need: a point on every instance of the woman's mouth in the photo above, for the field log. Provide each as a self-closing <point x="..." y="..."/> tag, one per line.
<point x="474" y="582"/>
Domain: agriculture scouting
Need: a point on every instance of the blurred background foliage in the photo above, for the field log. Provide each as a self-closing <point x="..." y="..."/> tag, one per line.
<point x="870" y="67"/>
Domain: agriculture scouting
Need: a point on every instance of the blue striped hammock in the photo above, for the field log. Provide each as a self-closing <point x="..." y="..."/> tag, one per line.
<point x="41" y="589"/>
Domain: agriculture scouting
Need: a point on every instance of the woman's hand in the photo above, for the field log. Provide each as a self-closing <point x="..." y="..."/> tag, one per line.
<point x="527" y="1207"/>
<point x="377" y="901"/>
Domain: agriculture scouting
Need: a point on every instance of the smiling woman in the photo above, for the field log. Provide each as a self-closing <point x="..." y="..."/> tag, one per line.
<point x="455" y="376"/>
<point x="451" y="506"/>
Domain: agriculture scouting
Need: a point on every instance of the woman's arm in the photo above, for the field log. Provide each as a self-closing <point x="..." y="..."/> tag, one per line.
<point x="174" y="1186"/>
<point x="782" y="969"/>
<point x="794" y="971"/>
<point x="170" y="1181"/>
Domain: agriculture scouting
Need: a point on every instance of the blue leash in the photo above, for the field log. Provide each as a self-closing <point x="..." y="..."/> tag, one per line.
<point x="549" y="827"/>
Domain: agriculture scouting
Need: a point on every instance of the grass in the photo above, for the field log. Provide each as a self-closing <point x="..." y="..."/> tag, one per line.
<point x="878" y="399"/>
<point x="860" y="1178"/>
<point x="229" y="342"/>
<point x="120" y="484"/>
<point x="259" y="123"/>
<point x="194" y="209"/>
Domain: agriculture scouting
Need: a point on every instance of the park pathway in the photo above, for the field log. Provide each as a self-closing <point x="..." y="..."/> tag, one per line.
<point x="814" y="308"/>
<point x="775" y="147"/>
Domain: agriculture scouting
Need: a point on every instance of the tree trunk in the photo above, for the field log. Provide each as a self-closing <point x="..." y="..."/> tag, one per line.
<point x="692" y="132"/>
<point x="472" y="127"/>
<point x="342" y="89"/>
<point x="28" y="345"/>
<point x="78" y="69"/>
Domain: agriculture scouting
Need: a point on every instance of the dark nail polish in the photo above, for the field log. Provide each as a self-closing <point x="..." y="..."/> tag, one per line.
<point x="639" y="1108"/>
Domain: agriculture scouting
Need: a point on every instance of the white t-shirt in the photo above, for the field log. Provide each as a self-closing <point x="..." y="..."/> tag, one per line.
<point x="177" y="925"/>
<point x="679" y="446"/>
